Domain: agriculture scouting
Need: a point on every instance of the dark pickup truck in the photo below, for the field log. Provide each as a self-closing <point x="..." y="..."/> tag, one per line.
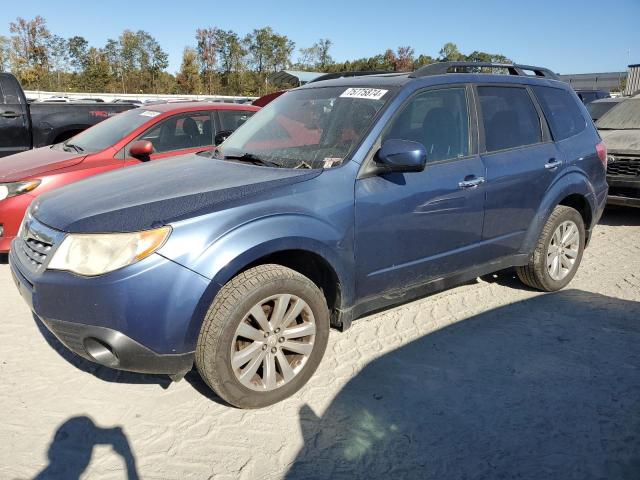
<point x="24" y="126"/>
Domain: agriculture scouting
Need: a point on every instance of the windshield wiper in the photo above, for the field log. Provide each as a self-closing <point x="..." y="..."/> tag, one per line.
<point x="77" y="148"/>
<point x="251" y="158"/>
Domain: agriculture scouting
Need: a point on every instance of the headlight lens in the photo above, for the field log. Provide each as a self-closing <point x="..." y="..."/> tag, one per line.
<point x="96" y="254"/>
<point x="17" y="188"/>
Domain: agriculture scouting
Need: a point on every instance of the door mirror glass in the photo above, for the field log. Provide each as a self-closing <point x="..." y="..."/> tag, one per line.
<point x="222" y="136"/>
<point x="141" y="149"/>
<point x="401" y="156"/>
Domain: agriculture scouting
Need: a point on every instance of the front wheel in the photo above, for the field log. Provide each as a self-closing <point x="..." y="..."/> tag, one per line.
<point x="558" y="253"/>
<point x="263" y="336"/>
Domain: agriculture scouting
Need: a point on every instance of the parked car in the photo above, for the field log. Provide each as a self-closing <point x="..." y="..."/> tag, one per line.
<point x="30" y="125"/>
<point x="135" y="136"/>
<point x="127" y="101"/>
<point x="589" y="95"/>
<point x="620" y="130"/>
<point x="598" y="108"/>
<point x="337" y="199"/>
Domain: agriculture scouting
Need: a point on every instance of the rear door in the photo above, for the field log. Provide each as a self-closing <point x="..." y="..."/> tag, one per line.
<point x="14" y="121"/>
<point x="521" y="162"/>
<point x="177" y="135"/>
<point x="414" y="227"/>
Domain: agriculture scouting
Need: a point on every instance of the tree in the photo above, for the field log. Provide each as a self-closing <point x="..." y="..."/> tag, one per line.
<point x="58" y="58"/>
<point x="78" y="47"/>
<point x="4" y="53"/>
<point x="450" y="53"/>
<point x="317" y="55"/>
<point x="207" y="49"/>
<point x="231" y="54"/>
<point x="188" y="79"/>
<point x="29" y="53"/>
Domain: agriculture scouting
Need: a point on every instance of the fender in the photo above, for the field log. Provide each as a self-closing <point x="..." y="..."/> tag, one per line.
<point x="247" y="243"/>
<point x="573" y="181"/>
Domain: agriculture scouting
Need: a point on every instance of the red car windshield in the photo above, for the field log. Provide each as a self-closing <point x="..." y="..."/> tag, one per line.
<point x="108" y="132"/>
<point x="308" y="128"/>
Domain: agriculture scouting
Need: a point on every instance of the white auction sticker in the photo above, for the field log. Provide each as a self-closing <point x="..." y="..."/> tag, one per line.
<point x="370" y="93"/>
<point x="149" y="113"/>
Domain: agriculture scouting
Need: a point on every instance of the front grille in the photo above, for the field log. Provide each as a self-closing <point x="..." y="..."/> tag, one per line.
<point x="624" y="166"/>
<point x="36" y="251"/>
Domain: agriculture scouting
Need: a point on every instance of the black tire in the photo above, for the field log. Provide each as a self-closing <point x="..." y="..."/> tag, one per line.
<point x="230" y="307"/>
<point x="535" y="274"/>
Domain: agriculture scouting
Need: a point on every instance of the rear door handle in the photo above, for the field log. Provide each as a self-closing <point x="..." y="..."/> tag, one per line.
<point x="471" y="183"/>
<point x="552" y="164"/>
<point x="10" y="114"/>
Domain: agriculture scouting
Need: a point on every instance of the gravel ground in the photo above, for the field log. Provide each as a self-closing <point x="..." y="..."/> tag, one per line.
<point x="487" y="380"/>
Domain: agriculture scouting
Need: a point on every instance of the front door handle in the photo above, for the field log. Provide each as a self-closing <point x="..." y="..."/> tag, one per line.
<point x="10" y="114"/>
<point x="552" y="164"/>
<point x="472" y="182"/>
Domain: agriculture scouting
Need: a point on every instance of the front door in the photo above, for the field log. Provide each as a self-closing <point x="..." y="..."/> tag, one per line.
<point x="14" y="122"/>
<point x="415" y="227"/>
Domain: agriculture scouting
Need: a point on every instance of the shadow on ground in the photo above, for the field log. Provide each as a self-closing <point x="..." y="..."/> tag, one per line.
<point x="616" y="216"/>
<point x="72" y="445"/>
<point x="103" y="373"/>
<point x="544" y="388"/>
<point x="4" y="259"/>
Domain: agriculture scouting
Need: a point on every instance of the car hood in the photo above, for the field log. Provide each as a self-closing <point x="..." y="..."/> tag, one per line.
<point x="151" y="195"/>
<point x="36" y="162"/>
<point x="624" y="141"/>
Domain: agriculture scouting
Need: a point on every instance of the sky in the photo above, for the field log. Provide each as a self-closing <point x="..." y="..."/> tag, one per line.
<point x="566" y="36"/>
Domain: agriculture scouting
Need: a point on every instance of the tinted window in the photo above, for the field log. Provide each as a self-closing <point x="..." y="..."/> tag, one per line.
<point x="180" y="132"/>
<point x="232" y="119"/>
<point x="510" y="118"/>
<point x="562" y="112"/>
<point x="438" y="119"/>
<point x="9" y="91"/>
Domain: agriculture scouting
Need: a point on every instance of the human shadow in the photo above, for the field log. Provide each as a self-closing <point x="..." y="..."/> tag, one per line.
<point x="71" y="449"/>
<point x="544" y="388"/>
<point x="100" y="371"/>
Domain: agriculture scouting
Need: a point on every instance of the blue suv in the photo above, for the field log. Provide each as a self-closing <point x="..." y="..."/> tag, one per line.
<point x="339" y="198"/>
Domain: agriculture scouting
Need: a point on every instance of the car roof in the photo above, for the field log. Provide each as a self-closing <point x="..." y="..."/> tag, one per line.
<point x="177" y="107"/>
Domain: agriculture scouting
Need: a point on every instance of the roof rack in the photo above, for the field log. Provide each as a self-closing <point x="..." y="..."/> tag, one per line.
<point x="331" y="76"/>
<point x="468" y="67"/>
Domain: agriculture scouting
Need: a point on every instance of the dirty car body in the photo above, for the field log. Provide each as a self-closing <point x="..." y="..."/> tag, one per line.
<point x="303" y="186"/>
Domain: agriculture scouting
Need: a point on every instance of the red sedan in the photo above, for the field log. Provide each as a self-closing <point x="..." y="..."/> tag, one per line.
<point x="131" y="137"/>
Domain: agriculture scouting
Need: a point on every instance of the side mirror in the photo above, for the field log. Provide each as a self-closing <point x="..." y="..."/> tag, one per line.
<point x="401" y="156"/>
<point x="141" y="149"/>
<point x="222" y="136"/>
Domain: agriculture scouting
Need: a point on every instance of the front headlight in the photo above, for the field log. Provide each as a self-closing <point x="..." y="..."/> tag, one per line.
<point x="17" y="188"/>
<point x="99" y="253"/>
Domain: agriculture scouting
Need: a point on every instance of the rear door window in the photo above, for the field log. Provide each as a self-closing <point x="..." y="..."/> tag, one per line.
<point x="232" y="119"/>
<point x="509" y="117"/>
<point x="562" y="112"/>
<point x="9" y="94"/>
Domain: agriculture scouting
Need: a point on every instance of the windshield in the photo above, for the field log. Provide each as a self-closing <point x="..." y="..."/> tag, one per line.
<point x="625" y="116"/>
<point x="307" y="128"/>
<point x="110" y="131"/>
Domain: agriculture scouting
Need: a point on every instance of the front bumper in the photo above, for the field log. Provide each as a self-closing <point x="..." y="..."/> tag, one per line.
<point x="142" y="318"/>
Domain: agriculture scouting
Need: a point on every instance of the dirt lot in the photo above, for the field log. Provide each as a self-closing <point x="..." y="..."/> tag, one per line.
<point x="487" y="380"/>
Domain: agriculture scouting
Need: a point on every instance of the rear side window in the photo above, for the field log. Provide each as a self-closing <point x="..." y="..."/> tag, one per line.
<point x="232" y="119"/>
<point x="9" y="91"/>
<point x="510" y="118"/>
<point x="563" y="113"/>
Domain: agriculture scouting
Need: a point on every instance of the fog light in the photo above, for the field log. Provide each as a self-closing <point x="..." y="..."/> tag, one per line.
<point x="101" y="352"/>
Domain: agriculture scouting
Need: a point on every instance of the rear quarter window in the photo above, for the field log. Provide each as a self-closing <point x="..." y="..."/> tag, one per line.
<point x="562" y="112"/>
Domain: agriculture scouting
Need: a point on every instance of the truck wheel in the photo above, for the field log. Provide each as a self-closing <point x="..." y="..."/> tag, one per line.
<point x="263" y="336"/>
<point x="557" y="255"/>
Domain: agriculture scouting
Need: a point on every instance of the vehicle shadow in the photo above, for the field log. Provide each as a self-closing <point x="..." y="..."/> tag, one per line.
<point x="544" y="388"/>
<point x="4" y="258"/>
<point x="71" y="449"/>
<point x="616" y="216"/>
<point x="103" y="373"/>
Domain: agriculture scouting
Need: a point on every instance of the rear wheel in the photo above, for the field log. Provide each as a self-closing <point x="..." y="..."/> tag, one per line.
<point x="558" y="253"/>
<point x="263" y="336"/>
